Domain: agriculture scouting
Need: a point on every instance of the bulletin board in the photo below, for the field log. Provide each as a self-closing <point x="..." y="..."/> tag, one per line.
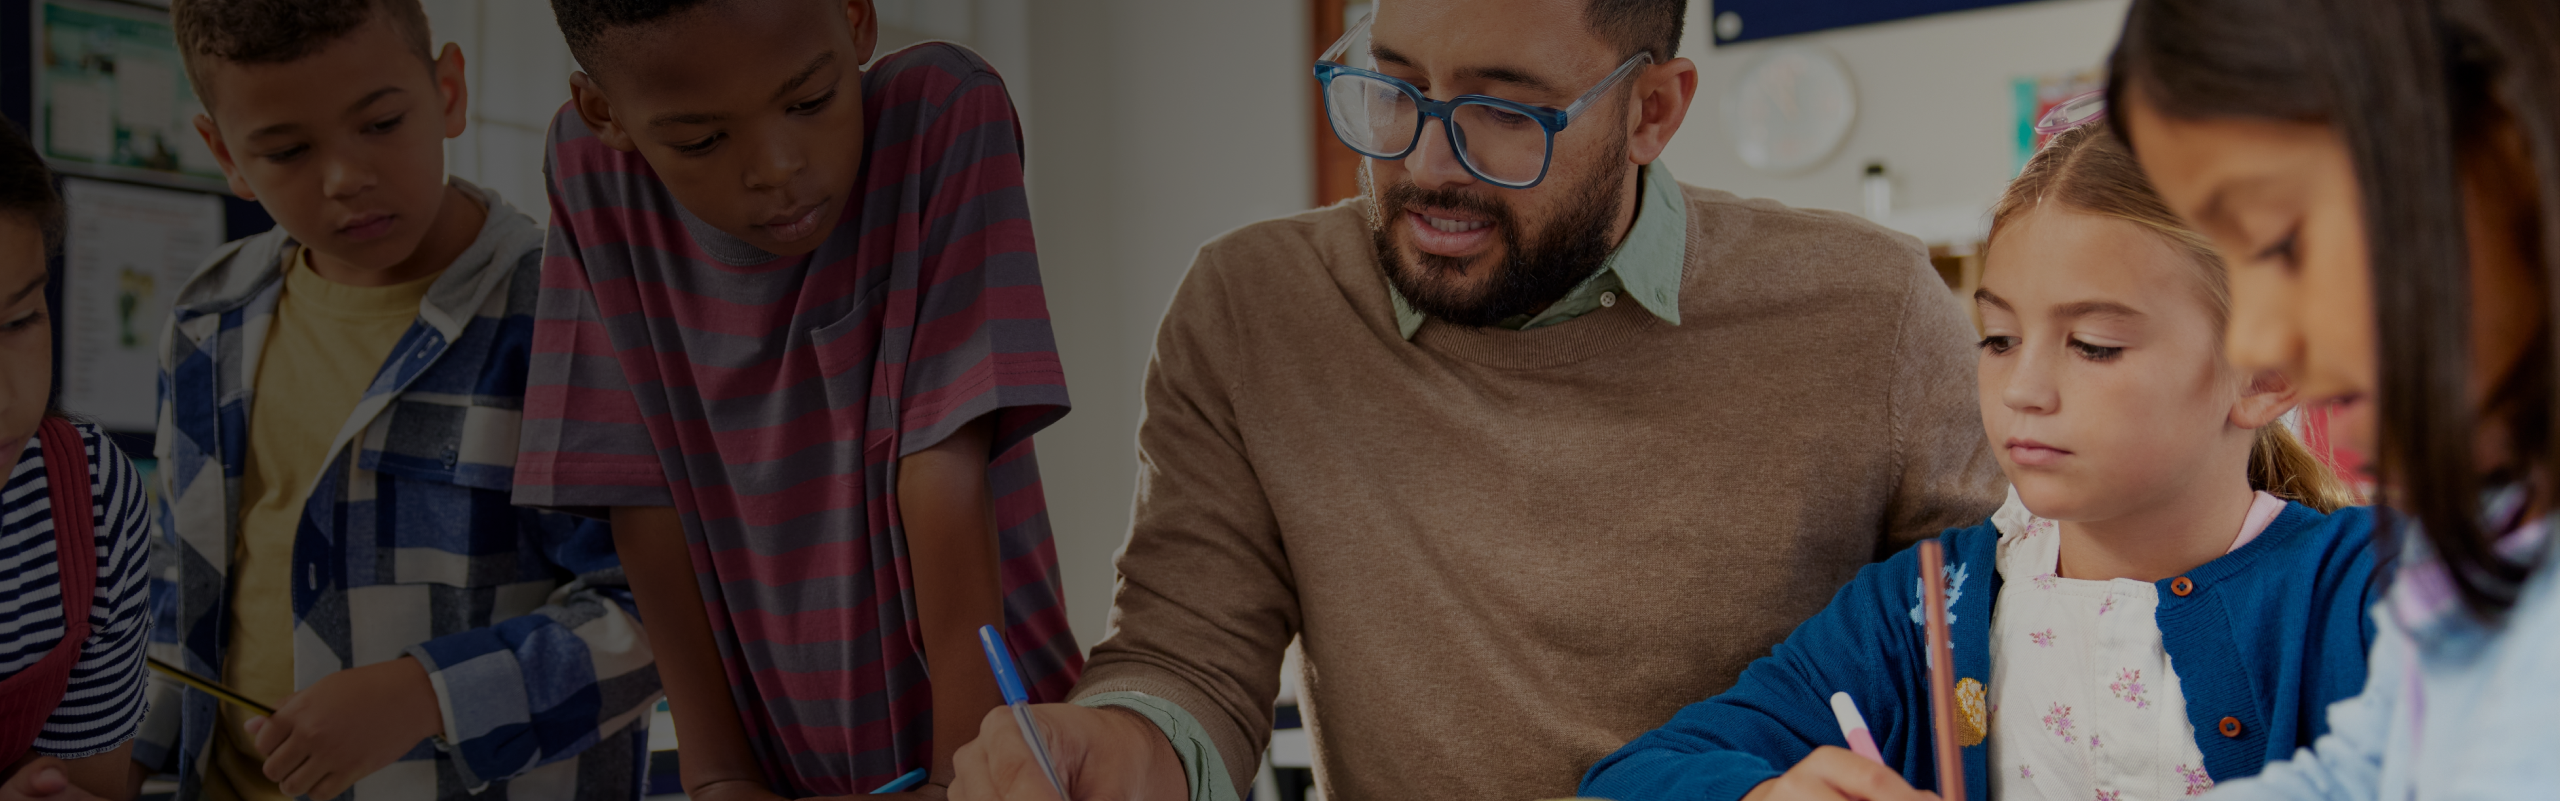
<point x="1738" y="21"/>
<point x="111" y="96"/>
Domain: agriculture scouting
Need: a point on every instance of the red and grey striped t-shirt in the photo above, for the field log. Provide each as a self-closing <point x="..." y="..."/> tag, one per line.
<point x="769" y="399"/>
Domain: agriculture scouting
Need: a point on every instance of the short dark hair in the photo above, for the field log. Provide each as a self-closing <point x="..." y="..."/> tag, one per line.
<point x="585" y="22"/>
<point x="1651" y="26"/>
<point x="282" y="31"/>
<point x="26" y="186"/>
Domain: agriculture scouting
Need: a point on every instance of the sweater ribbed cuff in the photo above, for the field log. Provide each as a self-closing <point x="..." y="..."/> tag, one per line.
<point x="1202" y="768"/>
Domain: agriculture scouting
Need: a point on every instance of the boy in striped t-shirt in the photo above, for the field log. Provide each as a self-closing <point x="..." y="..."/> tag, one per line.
<point x="793" y="343"/>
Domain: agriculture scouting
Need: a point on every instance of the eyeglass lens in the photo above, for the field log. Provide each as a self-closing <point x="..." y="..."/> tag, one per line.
<point x="1379" y="119"/>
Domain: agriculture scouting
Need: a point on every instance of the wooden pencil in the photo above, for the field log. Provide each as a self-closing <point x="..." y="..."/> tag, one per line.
<point x="1942" y="671"/>
<point x="207" y="686"/>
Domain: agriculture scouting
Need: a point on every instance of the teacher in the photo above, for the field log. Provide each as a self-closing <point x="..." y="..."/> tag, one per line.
<point x="1528" y="445"/>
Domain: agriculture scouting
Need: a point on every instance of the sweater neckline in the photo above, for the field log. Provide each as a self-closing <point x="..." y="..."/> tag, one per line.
<point x="1602" y="331"/>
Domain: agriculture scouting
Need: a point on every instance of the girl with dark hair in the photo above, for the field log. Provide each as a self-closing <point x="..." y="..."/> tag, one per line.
<point x="74" y="540"/>
<point x="2384" y="178"/>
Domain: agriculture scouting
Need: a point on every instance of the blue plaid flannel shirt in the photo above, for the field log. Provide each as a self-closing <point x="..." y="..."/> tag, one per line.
<point x="409" y="545"/>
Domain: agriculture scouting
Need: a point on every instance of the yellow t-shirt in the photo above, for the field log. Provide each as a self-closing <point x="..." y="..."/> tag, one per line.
<point x="324" y="346"/>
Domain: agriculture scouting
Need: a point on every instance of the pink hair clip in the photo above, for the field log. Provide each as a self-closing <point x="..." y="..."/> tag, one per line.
<point x="2081" y="109"/>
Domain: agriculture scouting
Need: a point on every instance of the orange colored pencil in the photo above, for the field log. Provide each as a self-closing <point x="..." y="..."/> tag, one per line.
<point x="1942" y="672"/>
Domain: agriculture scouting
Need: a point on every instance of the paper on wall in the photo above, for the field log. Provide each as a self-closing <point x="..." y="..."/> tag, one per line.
<point x="128" y="250"/>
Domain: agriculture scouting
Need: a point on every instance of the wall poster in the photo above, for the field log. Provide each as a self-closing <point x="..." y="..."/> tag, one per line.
<point x="127" y="251"/>
<point x="112" y="98"/>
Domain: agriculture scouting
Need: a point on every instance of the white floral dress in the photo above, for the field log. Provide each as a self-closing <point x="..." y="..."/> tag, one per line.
<point x="2084" y="703"/>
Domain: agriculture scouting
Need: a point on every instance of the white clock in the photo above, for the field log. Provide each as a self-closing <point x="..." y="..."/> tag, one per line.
<point x="1790" y="109"/>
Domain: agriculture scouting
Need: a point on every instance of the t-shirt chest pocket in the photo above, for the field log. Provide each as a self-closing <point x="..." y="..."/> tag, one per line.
<point x="848" y="357"/>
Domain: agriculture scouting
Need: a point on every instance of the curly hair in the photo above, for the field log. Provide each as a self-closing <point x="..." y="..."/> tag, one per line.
<point x="586" y="22"/>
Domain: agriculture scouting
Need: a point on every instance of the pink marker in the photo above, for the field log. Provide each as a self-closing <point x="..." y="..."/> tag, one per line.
<point x="1853" y="727"/>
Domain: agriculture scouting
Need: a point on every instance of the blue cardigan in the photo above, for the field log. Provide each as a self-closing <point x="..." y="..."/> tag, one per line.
<point x="2271" y="634"/>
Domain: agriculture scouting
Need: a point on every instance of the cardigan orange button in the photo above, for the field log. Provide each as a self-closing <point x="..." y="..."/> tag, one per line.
<point x="2230" y="726"/>
<point x="2181" y="587"/>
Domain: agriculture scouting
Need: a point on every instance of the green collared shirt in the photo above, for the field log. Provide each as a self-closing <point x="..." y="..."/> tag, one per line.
<point x="1645" y="267"/>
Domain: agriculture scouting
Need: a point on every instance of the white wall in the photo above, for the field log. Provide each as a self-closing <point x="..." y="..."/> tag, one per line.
<point x="1154" y="126"/>
<point x="1934" y="103"/>
<point x="518" y="68"/>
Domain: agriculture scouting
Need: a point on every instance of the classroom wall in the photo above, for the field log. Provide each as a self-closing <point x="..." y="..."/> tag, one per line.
<point x="1155" y="125"/>
<point x="518" y="68"/>
<point x="1934" y="104"/>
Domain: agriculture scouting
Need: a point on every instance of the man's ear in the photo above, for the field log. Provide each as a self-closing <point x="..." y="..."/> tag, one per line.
<point x="597" y="112"/>
<point x="222" y="156"/>
<point x="864" y="22"/>
<point x="453" y="89"/>
<point x="2268" y="396"/>
<point x="1660" y="101"/>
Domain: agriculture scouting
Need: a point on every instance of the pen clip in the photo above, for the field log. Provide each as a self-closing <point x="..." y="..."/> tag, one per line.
<point x="1000" y="660"/>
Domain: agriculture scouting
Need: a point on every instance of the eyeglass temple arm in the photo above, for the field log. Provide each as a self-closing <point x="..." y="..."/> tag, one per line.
<point x="1341" y="47"/>
<point x="1593" y="96"/>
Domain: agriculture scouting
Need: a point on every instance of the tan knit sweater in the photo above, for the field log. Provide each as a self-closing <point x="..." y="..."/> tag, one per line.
<point x="1508" y="552"/>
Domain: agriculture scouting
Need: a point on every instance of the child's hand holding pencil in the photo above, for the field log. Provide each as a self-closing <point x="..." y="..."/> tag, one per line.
<point x="1832" y="773"/>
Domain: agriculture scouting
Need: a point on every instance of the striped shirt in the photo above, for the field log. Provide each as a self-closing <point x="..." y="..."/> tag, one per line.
<point x="769" y="400"/>
<point x="103" y="706"/>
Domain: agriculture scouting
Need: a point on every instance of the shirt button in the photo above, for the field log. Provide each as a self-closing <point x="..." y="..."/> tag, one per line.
<point x="2182" y="587"/>
<point x="2230" y="727"/>
<point x="1608" y="299"/>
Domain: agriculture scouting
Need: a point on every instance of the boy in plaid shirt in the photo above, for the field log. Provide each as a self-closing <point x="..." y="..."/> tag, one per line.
<point x="339" y="410"/>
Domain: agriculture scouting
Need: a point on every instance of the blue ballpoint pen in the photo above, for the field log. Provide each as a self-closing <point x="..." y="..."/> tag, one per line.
<point x="902" y="783"/>
<point x="1009" y="682"/>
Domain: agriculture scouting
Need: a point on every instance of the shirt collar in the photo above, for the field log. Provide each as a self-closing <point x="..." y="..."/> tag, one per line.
<point x="1646" y="267"/>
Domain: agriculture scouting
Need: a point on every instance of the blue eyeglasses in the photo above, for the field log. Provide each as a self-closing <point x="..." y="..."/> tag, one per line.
<point x="1500" y="142"/>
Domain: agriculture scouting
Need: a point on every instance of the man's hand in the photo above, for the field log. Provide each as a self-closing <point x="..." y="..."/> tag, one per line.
<point x="324" y="739"/>
<point x="1836" y="774"/>
<point x="43" y="778"/>
<point x="1107" y="753"/>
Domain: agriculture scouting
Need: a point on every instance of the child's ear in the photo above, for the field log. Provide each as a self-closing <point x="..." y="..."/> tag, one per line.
<point x="453" y="89"/>
<point x="222" y="156"/>
<point x="597" y="112"/>
<point x="2268" y="396"/>
<point x="865" y="25"/>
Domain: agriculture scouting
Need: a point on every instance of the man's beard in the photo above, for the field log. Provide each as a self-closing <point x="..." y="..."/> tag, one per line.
<point x="1527" y="278"/>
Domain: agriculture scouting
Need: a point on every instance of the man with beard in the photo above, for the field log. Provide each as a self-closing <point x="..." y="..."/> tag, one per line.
<point x="1525" y="446"/>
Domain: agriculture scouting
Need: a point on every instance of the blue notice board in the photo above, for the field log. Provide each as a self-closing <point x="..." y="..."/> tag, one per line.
<point x="1736" y="21"/>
